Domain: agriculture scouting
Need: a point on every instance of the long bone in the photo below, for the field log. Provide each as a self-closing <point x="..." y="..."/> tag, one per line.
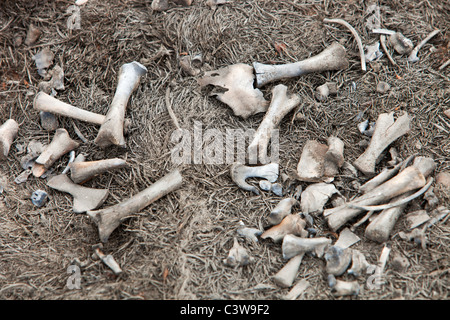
<point x="60" y="145"/>
<point x="111" y="130"/>
<point x="334" y="57"/>
<point x="280" y="105"/>
<point x="411" y="178"/>
<point x="293" y="245"/>
<point x="84" y="199"/>
<point x="239" y="173"/>
<point x="109" y="219"/>
<point x="83" y="171"/>
<point x="8" y="132"/>
<point x="386" y="131"/>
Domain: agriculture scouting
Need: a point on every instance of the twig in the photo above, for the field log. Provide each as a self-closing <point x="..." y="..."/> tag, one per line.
<point x="169" y="109"/>
<point x="445" y="64"/>
<point x="355" y="34"/>
<point x="383" y="45"/>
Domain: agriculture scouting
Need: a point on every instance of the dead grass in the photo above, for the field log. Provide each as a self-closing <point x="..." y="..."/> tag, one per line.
<point x="174" y="248"/>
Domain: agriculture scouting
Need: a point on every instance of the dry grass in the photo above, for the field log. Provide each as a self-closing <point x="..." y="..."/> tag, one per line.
<point x="174" y="248"/>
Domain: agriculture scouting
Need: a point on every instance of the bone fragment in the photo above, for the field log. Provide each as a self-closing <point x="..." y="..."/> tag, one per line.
<point x="359" y="264"/>
<point x="43" y="60"/>
<point x="343" y="288"/>
<point x="55" y="83"/>
<point x="357" y="38"/>
<point x="83" y="171"/>
<point x="185" y="3"/>
<point x="239" y="173"/>
<point x="214" y="3"/>
<point x="107" y="259"/>
<point x="315" y="196"/>
<point x="60" y="145"/>
<point x="443" y="179"/>
<point x="281" y="210"/>
<point x="373" y="52"/>
<point x="33" y="34"/>
<point x="346" y="239"/>
<point x="280" y="105"/>
<point x="400" y="43"/>
<point x="293" y="245"/>
<point x="299" y="288"/>
<point x="48" y="121"/>
<point x="334" y="57"/>
<point x="84" y="199"/>
<point x="160" y="5"/>
<point x="310" y="167"/>
<point x="383" y="87"/>
<point x="416" y="218"/>
<point x="248" y="233"/>
<point x="291" y="224"/>
<point x="111" y="130"/>
<point x="8" y="132"/>
<point x="337" y="260"/>
<point x="109" y="219"/>
<point x="413" y="55"/>
<point x="285" y="276"/>
<point x="386" y="132"/>
<point x="324" y="90"/>
<point x="191" y="65"/>
<point x="237" y="256"/>
<point x="71" y="159"/>
<point x="444" y="65"/>
<point x="240" y="95"/>
<point x="380" y="178"/>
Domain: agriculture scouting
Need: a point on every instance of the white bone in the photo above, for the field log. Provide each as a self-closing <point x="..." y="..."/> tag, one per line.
<point x="315" y="196"/>
<point x="400" y="43"/>
<point x="291" y="224"/>
<point x="83" y="171"/>
<point x="413" y="55"/>
<point x="296" y="290"/>
<point x="281" y="210"/>
<point x="239" y="173"/>
<point x="286" y="275"/>
<point x="293" y="245"/>
<point x="8" y="132"/>
<point x="237" y="256"/>
<point x="337" y="260"/>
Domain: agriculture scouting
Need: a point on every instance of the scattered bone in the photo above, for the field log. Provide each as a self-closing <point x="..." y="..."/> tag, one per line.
<point x="86" y="170"/>
<point x="23" y="177"/>
<point x="277" y="188"/>
<point x="191" y="65"/>
<point x="357" y="38"/>
<point x="43" y="60"/>
<point x="214" y="3"/>
<point x="48" y="121"/>
<point x="185" y="3"/>
<point x="281" y="104"/>
<point x="160" y="5"/>
<point x="359" y="263"/>
<point x="39" y="198"/>
<point x="248" y="233"/>
<point x="71" y="159"/>
<point x="416" y="235"/>
<point x="346" y="239"/>
<point x="291" y="224"/>
<point x="416" y="218"/>
<point x="324" y="90"/>
<point x="238" y="256"/>
<point x="383" y="87"/>
<point x="81" y="2"/>
<point x="383" y="31"/>
<point x="343" y="288"/>
<point x="395" y="159"/>
<point x="111" y="130"/>
<point x="281" y="210"/>
<point x="8" y="132"/>
<point x="84" y="199"/>
<point x="55" y="83"/>
<point x="334" y="157"/>
<point x="293" y="245"/>
<point x="315" y="196"/>
<point x="33" y="34"/>
<point x="239" y="173"/>
<point x="334" y="57"/>
<point x="374" y="20"/>
<point x="265" y="185"/>
<point x="310" y="167"/>
<point x="240" y="95"/>
<point x="373" y="52"/>
<point x="443" y="179"/>
<point x="107" y="259"/>
<point x="285" y="276"/>
<point x="413" y="56"/>
<point x="382" y="260"/>
<point x="431" y="198"/>
<point x="299" y="288"/>
<point x="366" y="128"/>
<point x="380" y="178"/>
<point x="60" y="145"/>
<point x="401" y="44"/>
<point x="109" y="219"/>
<point x="337" y="260"/>
<point x="386" y="132"/>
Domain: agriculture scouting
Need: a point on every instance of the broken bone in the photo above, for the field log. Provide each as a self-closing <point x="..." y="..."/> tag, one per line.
<point x="239" y="173"/>
<point x="334" y="57"/>
<point x="107" y="259"/>
<point x="83" y="171"/>
<point x="324" y="90"/>
<point x="109" y="219"/>
<point x="346" y="239"/>
<point x="343" y="288"/>
<point x="413" y="55"/>
<point x="240" y="95"/>
<point x="310" y="167"/>
<point x="315" y="196"/>
<point x="334" y="157"/>
<point x="359" y="264"/>
<point x="111" y="130"/>
<point x="386" y="132"/>
<point x="248" y="233"/>
<point x="286" y="275"/>
<point x="291" y="224"/>
<point x="60" y="145"/>
<point x="8" y="132"/>
<point x="237" y="256"/>
<point x="337" y="260"/>
<point x="43" y="60"/>
<point x="33" y="34"/>
<point x="400" y="43"/>
<point x="84" y="199"/>
<point x="280" y="105"/>
<point x="281" y="210"/>
<point x="299" y="288"/>
<point x="293" y="245"/>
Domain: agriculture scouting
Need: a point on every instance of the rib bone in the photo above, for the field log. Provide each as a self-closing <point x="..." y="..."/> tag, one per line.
<point x="84" y="199"/>
<point x="239" y="173"/>
<point x="332" y="58"/>
<point x="83" y="171"/>
<point x="413" y="55"/>
<point x="386" y="132"/>
<point x="8" y="132"/>
<point x="293" y="245"/>
<point x="109" y="219"/>
<point x="111" y="130"/>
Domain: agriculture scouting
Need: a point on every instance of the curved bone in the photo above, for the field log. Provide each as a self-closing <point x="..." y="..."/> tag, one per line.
<point x="333" y="57"/>
<point x="239" y="173"/>
<point x="281" y="210"/>
<point x="111" y="130"/>
<point x="84" y="199"/>
<point x="291" y="224"/>
<point x="237" y="256"/>
<point x="380" y="178"/>
<point x="83" y="171"/>
<point x="280" y="106"/>
<point x="60" y="145"/>
<point x="8" y="132"/>
<point x="413" y="55"/>
<point x="109" y="219"/>
<point x="240" y="95"/>
<point x="293" y="245"/>
<point x="286" y="275"/>
<point x="386" y="131"/>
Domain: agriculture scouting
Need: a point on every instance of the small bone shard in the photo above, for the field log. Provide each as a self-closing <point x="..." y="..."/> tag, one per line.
<point x="281" y="210"/>
<point x="39" y="198"/>
<point x="359" y="263"/>
<point x="160" y="5"/>
<point x="373" y="52"/>
<point x="346" y="239"/>
<point x="191" y="65"/>
<point x="280" y="105"/>
<point x="293" y="245"/>
<point x="33" y="35"/>
<point x="60" y="145"/>
<point x="285" y="276"/>
<point x="413" y="56"/>
<point x="240" y="95"/>
<point x="400" y="43"/>
<point x="111" y="130"/>
<point x="334" y="57"/>
<point x="443" y="179"/>
<point x="386" y="132"/>
<point x="291" y="224"/>
<point x="43" y="60"/>
<point x="109" y="219"/>
<point x="248" y="233"/>
<point x="299" y="288"/>
<point x="383" y="87"/>
<point x="324" y="90"/>
<point x="107" y="259"/>
<point x="337" y="259"/>
<point x="237" y="256"/>
<point x="343" y="288"/>
<point x="55" y="83"/>
<point x="8" y="132"/>
<point x="334" y="157"/>
<point x="315" y="196"/>
<point x="84" y="199"/>
<point x="84" y="171"/>
<point x="239" y="173"/>
<point x="416" y="218"/>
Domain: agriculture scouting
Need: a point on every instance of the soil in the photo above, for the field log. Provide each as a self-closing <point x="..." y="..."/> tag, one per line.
<point x="174" y="248"/>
